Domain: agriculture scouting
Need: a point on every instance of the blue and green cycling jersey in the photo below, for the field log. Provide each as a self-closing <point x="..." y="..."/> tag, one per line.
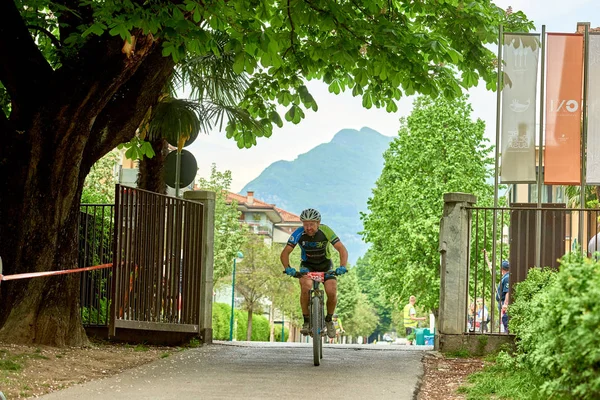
<point x="314" y="248"/>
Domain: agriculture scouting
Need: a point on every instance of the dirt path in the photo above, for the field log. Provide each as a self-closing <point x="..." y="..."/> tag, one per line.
<point x="27" y="371"/>
<point x="442" y="376"/>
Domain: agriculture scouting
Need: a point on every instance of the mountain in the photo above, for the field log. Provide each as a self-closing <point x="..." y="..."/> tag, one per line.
<point x="336" y="178"/>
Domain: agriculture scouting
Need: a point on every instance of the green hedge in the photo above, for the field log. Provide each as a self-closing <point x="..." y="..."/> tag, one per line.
<point x="286" y="334"/>
<point x="222" y="317"/>
<point x="556" y="317"/>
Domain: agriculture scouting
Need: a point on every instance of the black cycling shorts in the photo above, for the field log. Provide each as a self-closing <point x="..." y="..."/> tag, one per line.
<point x="324" y="266"/>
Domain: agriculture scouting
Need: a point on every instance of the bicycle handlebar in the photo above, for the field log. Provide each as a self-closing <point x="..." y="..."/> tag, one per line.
<point x="301" y="274"/>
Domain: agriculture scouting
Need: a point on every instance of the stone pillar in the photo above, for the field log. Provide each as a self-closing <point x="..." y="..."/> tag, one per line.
<point x="207" y="260"/>
<point x="454" y="268"/>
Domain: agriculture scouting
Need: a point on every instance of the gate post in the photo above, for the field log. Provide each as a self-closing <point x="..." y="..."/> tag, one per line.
<point x="207" y="198"/>
<point x="454" y="267"/>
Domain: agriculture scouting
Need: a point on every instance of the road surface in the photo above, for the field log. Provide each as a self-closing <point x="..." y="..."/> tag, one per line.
<point x="250" y="370"/>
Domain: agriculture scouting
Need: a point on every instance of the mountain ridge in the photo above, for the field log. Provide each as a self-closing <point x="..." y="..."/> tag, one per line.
<point x="334" y="177"/>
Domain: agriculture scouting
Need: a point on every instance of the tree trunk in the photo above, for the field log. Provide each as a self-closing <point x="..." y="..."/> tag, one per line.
<point x="272" y="322"/>
<point x="68" y="120"/>
<point x="151" y="173"/>
<point x="249" y="331"/>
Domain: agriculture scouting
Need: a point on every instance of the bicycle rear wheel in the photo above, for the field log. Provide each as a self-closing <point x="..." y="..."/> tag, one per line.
<point x="315" y="317"/>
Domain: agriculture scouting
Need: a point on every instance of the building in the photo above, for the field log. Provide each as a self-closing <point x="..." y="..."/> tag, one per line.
<point x="265" y="219"/>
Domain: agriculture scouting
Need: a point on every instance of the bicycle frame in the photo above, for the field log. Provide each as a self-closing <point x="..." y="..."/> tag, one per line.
<point x="318" y="293"/>
<point x="316" y="307"/>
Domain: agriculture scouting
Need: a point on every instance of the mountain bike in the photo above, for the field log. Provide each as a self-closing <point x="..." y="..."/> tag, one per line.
<point x="317" y="328"/>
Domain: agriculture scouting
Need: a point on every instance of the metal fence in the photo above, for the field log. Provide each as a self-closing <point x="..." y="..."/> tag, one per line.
<point x="526" y="237"/>
<point x="157" y="262"/>
<point x="96" y="231"/>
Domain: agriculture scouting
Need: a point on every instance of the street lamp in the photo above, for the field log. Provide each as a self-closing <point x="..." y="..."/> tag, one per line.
<point x="238" y="258"/>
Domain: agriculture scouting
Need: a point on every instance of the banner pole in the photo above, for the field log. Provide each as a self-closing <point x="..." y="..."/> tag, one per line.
<point x="499" y="86"/>
<point x="540" y="169"/>
<point x="586" y="48"/>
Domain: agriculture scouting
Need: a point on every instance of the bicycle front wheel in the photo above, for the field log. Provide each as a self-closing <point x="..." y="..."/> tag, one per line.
<point x="316" y="317"/>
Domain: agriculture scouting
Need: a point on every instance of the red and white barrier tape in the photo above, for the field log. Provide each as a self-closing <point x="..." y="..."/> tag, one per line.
<point x="51" y="273"/>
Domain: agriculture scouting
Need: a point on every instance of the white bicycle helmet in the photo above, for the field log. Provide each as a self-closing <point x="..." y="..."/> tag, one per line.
<point x="310" y="214"/>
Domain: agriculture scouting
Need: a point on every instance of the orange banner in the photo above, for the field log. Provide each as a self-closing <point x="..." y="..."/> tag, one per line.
<point x="564" y="84"/>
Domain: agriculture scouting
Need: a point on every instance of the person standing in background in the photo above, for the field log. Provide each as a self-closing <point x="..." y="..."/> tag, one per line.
<point x="410" y="316"/>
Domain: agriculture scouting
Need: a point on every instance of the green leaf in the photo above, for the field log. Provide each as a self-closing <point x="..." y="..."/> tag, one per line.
<point x="276" y="119"/>
<point x="121" y="30"/>
<point x="238" y="64"/>
<point x="367" y="101"/>
<point x="334" y="87"/>
<point x="97" y="28"/>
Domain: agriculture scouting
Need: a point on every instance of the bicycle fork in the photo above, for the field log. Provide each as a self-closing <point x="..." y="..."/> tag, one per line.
<point x="316" y="292"/>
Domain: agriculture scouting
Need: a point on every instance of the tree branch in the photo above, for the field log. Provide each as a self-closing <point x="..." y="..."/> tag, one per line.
<point x="23" y="68"/>
<point x="46" y="32"/>
<point x="121" y="117"/>
<point x="69" y="21"/>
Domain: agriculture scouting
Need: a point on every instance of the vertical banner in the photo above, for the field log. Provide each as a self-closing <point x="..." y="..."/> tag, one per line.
<point x="521" y="54"/>
<point x="593" y="132"/>
<point x="564" y="84"/>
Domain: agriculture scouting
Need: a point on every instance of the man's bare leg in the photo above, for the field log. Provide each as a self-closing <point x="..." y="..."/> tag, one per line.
<point x="305" y="286"/>
<point x="331" y="290"/>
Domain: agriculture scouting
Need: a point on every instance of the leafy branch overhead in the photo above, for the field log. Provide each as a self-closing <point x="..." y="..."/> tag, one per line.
<point x="379" y="50"/>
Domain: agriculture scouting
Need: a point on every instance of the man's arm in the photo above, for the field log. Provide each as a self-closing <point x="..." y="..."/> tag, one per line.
<point x="414" y="317"/>
<point x="487" y="260"/>
<point x="505" y="304"/>
<point x="285" y="256"/>
<point x="343" y="253"/>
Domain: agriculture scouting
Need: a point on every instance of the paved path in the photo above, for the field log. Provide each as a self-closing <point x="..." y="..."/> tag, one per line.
<point x="245" y="370"/>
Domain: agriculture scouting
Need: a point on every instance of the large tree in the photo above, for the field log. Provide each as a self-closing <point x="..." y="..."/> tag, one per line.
<point x="439" y="149"/>
<point x="78" y="77"/>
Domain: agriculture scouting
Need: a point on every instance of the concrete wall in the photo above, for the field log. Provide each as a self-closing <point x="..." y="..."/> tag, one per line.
<point x="207" y="260"/>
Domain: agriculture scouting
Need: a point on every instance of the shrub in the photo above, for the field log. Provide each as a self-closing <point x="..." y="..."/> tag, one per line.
<point x="277" y="332"/>
<point x="528" y="310"/>
<point x="220" y="319"/>
<point x="569" y="350"/>
<point x="558" y="326"/>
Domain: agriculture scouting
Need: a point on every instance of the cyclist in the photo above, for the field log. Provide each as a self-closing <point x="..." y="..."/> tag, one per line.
<point x="313" y="239"/>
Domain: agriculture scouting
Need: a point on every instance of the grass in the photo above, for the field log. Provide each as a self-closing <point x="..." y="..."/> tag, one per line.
<point x="10" y="365"/>
<point x="498" y="381"/>
<point x="194" y="342"/>
<point x="141" y="347"/>
<point x="164" y="355"/>
<point x="461" y="353"/>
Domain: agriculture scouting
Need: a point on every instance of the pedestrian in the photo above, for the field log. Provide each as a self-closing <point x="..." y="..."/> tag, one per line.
<point x="593" y="243"/>
<point x="502" y="294"/>
<point x="411" y="320"/>
<point x="482" y="318"/>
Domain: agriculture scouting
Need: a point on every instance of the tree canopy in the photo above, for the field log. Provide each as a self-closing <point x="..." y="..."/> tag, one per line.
<point x="439" y="149"/>
<point x="78" y="77"/>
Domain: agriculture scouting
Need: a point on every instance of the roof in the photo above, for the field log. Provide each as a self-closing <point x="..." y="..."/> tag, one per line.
<point x="288" y="216"/>
<point x="581" y="27"/>
<point x="244" y="201"/>
<point x="256" y="204"/>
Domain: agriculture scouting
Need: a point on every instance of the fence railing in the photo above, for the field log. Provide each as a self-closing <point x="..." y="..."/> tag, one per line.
<point x="96" y="231"/>
<point x="561" y="230"/>
<point x="157" y="262"/>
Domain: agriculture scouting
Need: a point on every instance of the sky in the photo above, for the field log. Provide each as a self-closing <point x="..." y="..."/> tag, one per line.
<point x="337" y="112"/>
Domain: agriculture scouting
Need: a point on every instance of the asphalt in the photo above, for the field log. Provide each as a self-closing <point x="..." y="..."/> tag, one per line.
<point x="248" y="370"/>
